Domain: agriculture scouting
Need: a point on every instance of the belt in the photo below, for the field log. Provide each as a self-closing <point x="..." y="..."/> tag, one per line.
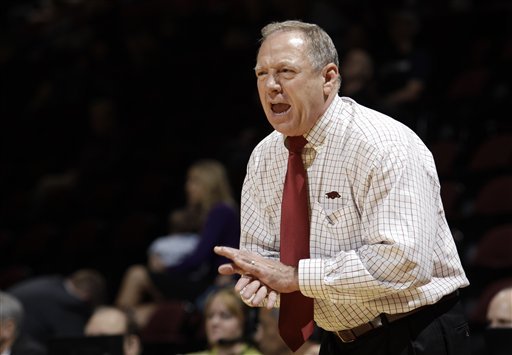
<point x="349" y="335"/>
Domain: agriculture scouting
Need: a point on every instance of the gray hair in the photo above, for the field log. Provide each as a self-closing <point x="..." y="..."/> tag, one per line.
<point x="321" y="49"/>
<point x="10" y="309"/>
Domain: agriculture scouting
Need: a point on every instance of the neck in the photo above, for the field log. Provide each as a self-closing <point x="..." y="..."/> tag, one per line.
<point x="231" y="349"/>
<point x="4" y="345"/>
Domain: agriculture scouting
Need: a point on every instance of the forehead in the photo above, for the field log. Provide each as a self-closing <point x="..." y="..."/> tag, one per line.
<point x="107" y="323"/>
<point x="288" y="46"/>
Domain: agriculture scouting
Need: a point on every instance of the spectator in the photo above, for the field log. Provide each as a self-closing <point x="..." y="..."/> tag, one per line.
<point x="270" y="343"/>
<point x="57" y="306"/>
<point x="499" y="312"/>
<point x="211" y="212"/>
<point x="12" y="341"/>
<point x="498" y="335"/>
<point x="358" y="81"/>
<point x="172" y="248"/>
<point x="109" y="320"/>
<point x="228" y="325"/>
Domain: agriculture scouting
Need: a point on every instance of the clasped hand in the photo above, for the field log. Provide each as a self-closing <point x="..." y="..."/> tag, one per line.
<point x="262" y="279"/>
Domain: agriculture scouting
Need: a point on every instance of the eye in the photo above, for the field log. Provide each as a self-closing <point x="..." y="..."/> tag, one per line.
<point x="226" y="315"/>
<point x="260" y="73"/>
<point x="287" y="72"/>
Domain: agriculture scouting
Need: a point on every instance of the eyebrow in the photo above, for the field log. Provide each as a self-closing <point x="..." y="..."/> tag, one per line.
<point x="282" y="63"/>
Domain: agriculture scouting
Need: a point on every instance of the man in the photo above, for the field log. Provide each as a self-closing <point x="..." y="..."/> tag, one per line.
<point x="12" y="342"/>
<point x="383" y="269"/>
<point x="499" y="312"/>
<point x="108" y="321"/>
<point x="59" y="306"/>
<point x="498" y="334"/>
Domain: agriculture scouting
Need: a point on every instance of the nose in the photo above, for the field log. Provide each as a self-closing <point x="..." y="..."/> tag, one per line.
<point x="272" y="83"/>
<point x="214" y="320"/>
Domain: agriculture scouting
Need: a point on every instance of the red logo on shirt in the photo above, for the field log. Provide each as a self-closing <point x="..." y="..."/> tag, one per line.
<point x="333" y="194"/>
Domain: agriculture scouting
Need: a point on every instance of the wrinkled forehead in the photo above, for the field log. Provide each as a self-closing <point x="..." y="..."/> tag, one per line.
<point x="282" y="47"/>
<point x="292" y="39"/>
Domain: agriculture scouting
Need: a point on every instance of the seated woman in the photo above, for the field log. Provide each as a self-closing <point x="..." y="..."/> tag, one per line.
<point x="212" y="213"/>
<point x="227" y="324"/>
<point x="171" y="249"/>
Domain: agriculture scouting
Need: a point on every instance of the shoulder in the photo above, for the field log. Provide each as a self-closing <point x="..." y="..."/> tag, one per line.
<point x="371" y="125"/>
<point x="222" y="213"/>
<point x="25" y="345"/>
<point x="268" y="146"/>
<point x="378" y="132"/>
<point x="385" y="140"/>
<point x="40" y="285"/>
<point x="222" y="208"/>
<point x="268" y="155"/>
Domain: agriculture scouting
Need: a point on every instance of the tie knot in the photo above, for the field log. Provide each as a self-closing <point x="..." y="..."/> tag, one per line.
<point x="295" y="144"/>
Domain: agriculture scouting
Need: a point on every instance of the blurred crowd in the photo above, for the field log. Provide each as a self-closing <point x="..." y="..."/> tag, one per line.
<point x="106" y="104"/>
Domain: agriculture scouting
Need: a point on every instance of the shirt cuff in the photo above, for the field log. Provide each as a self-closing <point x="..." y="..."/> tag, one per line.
<point x="311" y="273"/>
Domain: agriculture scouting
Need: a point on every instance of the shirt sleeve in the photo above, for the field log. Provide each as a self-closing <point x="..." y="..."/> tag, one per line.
<point x="258" y="232"/>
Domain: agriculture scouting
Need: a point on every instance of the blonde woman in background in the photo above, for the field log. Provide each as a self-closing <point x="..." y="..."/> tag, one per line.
<point x="212" y="213"/>
<point x="227" y="325"/>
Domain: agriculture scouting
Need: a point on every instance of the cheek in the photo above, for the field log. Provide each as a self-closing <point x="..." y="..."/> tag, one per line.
<point x="237" y="328"/>
<point x="261" y="93"/>
<point x="194" y="191"/>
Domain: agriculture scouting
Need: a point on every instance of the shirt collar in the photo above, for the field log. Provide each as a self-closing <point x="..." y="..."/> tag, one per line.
<point x="316" y="136"/>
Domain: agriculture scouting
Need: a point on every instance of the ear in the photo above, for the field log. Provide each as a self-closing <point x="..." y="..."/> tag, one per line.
<point x="330" y="74"/>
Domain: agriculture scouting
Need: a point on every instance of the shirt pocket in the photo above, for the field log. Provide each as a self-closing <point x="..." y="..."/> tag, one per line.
<point x="332" y="210"/>
<point x="334" y="227"/>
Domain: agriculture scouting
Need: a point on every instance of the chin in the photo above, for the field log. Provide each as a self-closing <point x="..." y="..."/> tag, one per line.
<point x="283" y="128"/>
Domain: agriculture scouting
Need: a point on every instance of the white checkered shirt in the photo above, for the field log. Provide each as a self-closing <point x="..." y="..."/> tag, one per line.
<point x="379" y="240"/>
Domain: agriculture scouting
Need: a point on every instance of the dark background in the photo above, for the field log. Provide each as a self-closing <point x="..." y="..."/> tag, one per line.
<point x="104" y="105"/>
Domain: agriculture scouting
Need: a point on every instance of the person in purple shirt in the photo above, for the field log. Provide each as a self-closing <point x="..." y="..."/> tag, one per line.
<point x="212" y="214"/>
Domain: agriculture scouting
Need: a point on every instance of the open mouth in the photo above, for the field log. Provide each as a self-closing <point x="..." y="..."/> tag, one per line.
<point x="280" y="109"/>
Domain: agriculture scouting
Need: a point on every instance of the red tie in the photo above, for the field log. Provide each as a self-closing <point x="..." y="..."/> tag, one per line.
<point x="296" y="310"/>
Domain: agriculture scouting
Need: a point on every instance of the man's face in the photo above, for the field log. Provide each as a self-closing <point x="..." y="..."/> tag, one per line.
<point x="7" y="333"/>
<point x="293" y="94"/>
<point x="499" y="312"/>
<point x="112" y="322"/>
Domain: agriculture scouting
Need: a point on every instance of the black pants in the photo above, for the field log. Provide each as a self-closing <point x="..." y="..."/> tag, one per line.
<point x="440" y="329"/>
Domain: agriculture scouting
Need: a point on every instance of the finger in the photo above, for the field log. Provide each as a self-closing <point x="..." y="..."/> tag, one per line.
<point x="228" y="252"/>
<point x="247" y="302"/>
<point x="260" y="295"/>
<point x="249" y="290"/>
<point x="271" y="299"/>
<point x="242" y="258"/>
<point x="242" y="282"/>
<point x="231" y="269"/>
<point x="227" y="269"/>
